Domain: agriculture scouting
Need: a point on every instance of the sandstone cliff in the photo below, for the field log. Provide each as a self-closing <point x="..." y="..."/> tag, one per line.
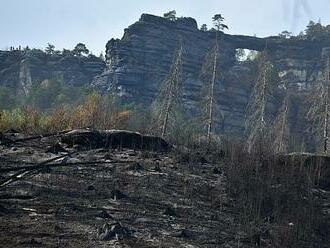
<point x="137" y="64"/>
<point x="19" y="69"/>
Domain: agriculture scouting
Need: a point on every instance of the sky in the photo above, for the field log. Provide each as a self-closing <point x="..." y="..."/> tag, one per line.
<point x="65" y="23"/>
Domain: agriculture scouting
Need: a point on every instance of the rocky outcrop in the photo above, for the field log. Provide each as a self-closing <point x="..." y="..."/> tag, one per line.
<point x="20" y="68"/>
<point x="137" y="64"/>
<point x="86" y="138"/>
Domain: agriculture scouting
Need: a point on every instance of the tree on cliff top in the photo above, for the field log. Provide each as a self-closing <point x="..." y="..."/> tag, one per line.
<point x="204" y="28"/>
<point x="218" y="20"/>
<point x="314" y="29"/>
<point x="50" y="49"/>
<point x="171" y="15"/>
<point x="285" y="34"/>
<point x="80" y="49"/>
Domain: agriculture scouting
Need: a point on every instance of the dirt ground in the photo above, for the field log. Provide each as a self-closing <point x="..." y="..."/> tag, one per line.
<point x="111" y="198"/>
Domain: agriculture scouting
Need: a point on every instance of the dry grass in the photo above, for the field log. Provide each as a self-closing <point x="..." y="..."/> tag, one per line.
<point x="275" y="196"/>
<point x="99" y="112"/>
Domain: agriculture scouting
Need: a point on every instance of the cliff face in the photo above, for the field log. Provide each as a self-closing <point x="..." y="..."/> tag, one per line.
<point x="20" y="69"/>
<point x="137" y="64"/>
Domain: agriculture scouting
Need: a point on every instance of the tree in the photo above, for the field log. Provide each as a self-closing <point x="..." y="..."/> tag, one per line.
<point x="314" y="29"/>
<point x="210" y="78"/>
<point x="170" y="94"/>
<point x="171" y="15"/>
<point x="101" y="56"/>
<point x="258" y="119"/>
<point x="218" y="20"/>
<point x="43" y="94"/>
<point x="211" y="92"/>
<point x="80" y="49"/>
<point x="252" y="55"/>
<point x="281" y="129"/>
<point x="66" y="52"/>
<point x="240" y="54"/>
<point x="204" y="28"/>
<point x="285" y="34"/>
<point x="50" y="49"/>
<point x="327" y="29"/>
<point x="318" y="113"/>
<point x="8" y="98"/>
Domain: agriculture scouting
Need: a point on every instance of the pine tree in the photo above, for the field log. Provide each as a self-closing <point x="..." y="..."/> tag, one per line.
<point x="281" y="129"/>
<point x="211" y="91"/>
<point x="258" y="120"/>
<point x="50" y="49"/>
<point x="210" y="77"/>
<point x="169" y="99"/>
<point x="318" y="113"/>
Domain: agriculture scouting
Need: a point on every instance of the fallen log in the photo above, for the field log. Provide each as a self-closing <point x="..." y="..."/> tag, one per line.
<point x="24" y="172"/>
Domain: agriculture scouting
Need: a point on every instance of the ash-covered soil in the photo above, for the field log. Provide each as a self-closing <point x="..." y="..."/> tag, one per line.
<point x="111" y="198"/>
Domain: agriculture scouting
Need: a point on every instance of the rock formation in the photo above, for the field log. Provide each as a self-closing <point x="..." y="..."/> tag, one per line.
<point x="114" y="139"/>
<point x="20" y="68"/>
<point x="138" y="63"/>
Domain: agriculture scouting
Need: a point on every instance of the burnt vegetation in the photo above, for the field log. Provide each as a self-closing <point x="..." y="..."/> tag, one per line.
<point x="72" y="175"/>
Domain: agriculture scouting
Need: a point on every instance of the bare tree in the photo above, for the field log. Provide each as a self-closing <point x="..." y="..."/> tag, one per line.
<point x="210" y="75"/>
<point x="211" y="92"/>
<point x="318" y="113"/>
<point x="170" y="94"/>
<point x="257" y="122"/>
<point x="326" y="96"/>
<point x="281" y="128"/>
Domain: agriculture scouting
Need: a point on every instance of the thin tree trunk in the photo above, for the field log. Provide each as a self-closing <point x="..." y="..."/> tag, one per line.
<point x="173" y="86"/>
<point x="326" y="114"/>
<point x="263" y="99"/>
<point x="284" y="123"/>
<point x="210" y="112"/>
<point x="167" y="113"/>
<point x="325" y="130"/>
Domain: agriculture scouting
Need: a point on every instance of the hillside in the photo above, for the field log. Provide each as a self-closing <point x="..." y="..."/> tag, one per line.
<point x="55" y="194"/>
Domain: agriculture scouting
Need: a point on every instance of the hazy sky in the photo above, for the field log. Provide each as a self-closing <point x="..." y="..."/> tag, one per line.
<point x="64" y="23"/>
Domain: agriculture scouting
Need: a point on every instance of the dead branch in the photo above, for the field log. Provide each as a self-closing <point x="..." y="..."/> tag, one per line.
<point x="170" y="94"/>
<point x="24" y="172"/>
<point x="38" y="166"/>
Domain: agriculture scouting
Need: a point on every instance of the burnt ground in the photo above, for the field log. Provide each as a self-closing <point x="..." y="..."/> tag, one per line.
<point x="112" y="198"/>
